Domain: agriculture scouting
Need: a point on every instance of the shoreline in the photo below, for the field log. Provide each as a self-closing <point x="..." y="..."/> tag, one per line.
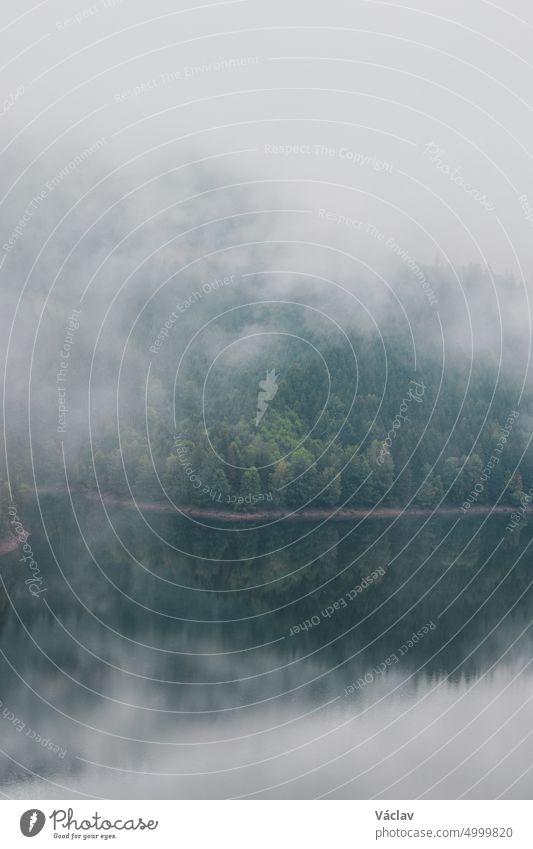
<point x="309" y="514"/>
<point x="10" y="543"/>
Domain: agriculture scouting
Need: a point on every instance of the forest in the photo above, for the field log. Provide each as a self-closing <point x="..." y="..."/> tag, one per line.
<point x="278" y="408"/>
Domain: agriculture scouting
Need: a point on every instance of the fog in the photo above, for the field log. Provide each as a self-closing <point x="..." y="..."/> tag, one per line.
<point x="437" y="740"/>
<point x="195" y="195"/>
<point x="350" y="146"/>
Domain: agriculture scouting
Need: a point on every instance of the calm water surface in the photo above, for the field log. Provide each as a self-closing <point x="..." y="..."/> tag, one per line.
<point x="164" y="659"/>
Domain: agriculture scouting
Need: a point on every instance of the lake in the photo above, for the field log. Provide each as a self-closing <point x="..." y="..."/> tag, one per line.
<point x="167" y="658"/>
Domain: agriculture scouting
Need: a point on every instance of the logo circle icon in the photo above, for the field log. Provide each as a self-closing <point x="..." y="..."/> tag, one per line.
<point x="32" y="822"/>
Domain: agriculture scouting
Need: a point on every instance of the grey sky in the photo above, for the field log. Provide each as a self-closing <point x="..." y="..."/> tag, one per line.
<point x="416" y="121"/>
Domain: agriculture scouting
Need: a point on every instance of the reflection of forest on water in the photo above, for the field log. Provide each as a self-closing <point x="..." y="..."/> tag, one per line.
<point x="243" y="597"/>
<point x="144" y="641"/>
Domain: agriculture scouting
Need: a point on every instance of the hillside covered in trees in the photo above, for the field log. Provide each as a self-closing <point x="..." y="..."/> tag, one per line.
<point x="282" y="405"/>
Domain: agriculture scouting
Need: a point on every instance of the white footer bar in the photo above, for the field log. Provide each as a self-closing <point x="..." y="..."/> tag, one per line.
<point x="268" y="824"/>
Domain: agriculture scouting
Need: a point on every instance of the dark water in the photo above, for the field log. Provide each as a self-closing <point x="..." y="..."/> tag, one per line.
<point x="160" y="660"/>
